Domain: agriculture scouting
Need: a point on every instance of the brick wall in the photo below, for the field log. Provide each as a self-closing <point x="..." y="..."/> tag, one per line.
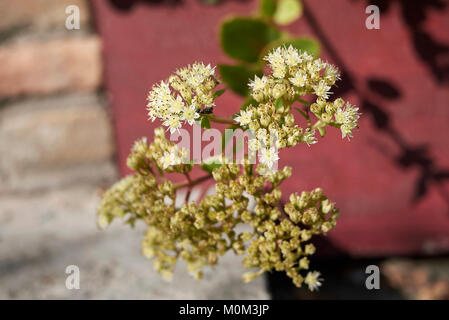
<point x="54" y="127"/>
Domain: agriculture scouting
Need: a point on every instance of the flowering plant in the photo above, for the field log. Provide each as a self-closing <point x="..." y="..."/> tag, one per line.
<point x="199" y="232"/>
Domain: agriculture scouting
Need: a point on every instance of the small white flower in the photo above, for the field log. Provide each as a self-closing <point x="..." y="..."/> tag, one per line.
<point x="152" y="114"/>
<point x="341" y="116"/>
<point x="253" y="144"/>
<point x="309" y="137"/>
<point x="268" y="156"/>
<point x="292" y="56"/>
<point x="319" y="64"/>
<point x="313" y="280"/>
<point x="258" y="83"/>
<point x="275" y="57"/>
<point x="331" y="74"/>
<point x="177" y="105"/>
<point x="172" y="123"/>
<point x="300" y="79"/>
<point x="279" y="70"/>
<point x="306" y="56"/>
<point x="244" y="117"/>
<point x="183" y="155"/>
<point x="348" y="118"/>
<point x="189" y="115"/>
<point x="172" y="157"/>
<point x="166" y="160"/>
<point x="322" y="90"/>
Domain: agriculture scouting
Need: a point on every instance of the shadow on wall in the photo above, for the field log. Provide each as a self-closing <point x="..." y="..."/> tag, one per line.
<point x="126" y="5"/>
<point x="431" y="53"/>
<point x="434" y="54"/>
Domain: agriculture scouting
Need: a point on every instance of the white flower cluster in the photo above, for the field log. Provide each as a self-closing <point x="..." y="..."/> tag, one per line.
<point x="272" y="128"/>
<point x="173" y="157"/>
<point x="180" y="97"/>
<point x="338" y="113"/>
<point x="348" y="118"/>
<point x="294" y="73"/>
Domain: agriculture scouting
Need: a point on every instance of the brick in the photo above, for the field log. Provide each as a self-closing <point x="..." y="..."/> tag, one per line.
<point x="38" y="14"/>
<point x="42" y="180"/>
<point x="38" y="68"/>
<point x="51" y="133"/>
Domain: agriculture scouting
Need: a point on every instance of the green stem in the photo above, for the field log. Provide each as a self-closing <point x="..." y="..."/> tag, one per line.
<point x="303" y="113"/>
<point x="218" y="119"/>
<point x="304" y="102"/>
<point x="192" y="183"/>
<point x="317" y="124"/>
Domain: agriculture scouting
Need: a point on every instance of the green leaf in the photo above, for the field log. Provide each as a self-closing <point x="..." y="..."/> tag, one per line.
<point x="287" y="11"/>
<point x="247" y="102"/>
<point x="278" y="103"/>
<point x="237" y="77"/>
<point x="304" y="44"/>
<point x="267" y="8"/>
<point x="244" y="38"/>
<point x="301" y="112"/>
<point x="219" y="93"/>
<point x="282" y="121"/>
<point x="304" y="102"/>
<point x="210" y="166"/>
<point x="205" y="123"/>
<point x="211" y="163"/>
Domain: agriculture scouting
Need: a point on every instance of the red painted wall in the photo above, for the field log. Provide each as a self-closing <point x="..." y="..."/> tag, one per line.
<point x="392" y="180"/>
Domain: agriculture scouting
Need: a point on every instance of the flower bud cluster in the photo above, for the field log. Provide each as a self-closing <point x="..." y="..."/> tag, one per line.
<point x="282" y="242"/>
<point x="162" y="153"/>
<point x="313" y="210"/>
<point x="132" y="197"/>
<point x="200" y="232"/>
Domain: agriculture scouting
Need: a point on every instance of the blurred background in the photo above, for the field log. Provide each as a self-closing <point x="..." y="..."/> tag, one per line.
<point x="73" y="101"/>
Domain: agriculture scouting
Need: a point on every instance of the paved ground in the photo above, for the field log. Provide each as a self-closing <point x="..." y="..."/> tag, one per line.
<point x="43" y="234"/>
